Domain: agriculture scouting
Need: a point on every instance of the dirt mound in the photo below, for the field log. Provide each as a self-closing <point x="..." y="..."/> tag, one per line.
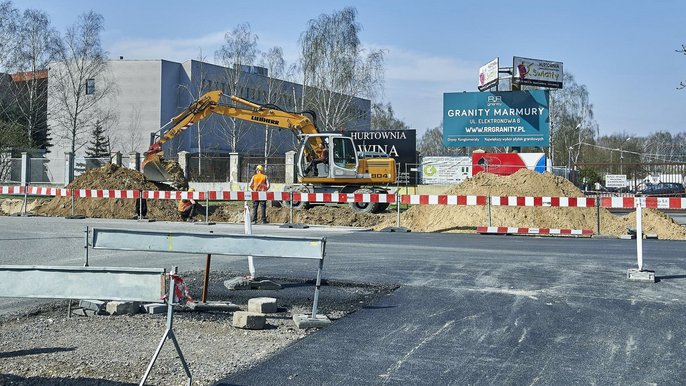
<point x="110" y="177"/>
<point x="441" y="218"/>
<point x="522" y="183"/>
<point x="319" y="215"/>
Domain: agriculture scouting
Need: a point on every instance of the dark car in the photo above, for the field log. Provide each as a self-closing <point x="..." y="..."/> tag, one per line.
<point x="664" y="189"/>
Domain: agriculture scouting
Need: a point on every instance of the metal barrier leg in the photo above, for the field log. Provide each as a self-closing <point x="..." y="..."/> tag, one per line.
<point x="169" y="333"/>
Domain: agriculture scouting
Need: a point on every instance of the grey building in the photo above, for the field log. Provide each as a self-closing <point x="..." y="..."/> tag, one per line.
<point x="148" y="93"/>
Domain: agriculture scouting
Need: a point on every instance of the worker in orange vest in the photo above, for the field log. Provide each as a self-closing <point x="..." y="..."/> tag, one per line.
<point x="187" y="208"/>
<point x="259" y="183"/>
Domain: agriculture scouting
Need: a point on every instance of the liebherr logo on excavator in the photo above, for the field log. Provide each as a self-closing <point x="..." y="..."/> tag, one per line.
<point x="264" y="120"/>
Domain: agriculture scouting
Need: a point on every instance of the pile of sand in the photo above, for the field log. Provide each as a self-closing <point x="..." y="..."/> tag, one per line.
<point x="444" y="218"/>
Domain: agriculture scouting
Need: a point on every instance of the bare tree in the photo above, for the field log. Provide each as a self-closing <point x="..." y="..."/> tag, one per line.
<point x="336" y="69"/>
<point x="239" y="50"/>
<point x="9" y="17"/>
<point x="682" y="84"/>
<point x="383" y="118"/>
<point x="30" y="89"/>
<point x="572" y="120"/>
<point x="79" y="81"/>
<point x="431" y="144"/>
<point x="275" y="64"/>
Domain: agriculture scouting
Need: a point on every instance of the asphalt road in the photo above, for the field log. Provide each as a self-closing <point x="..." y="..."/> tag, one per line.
<point x="470" y="309"/>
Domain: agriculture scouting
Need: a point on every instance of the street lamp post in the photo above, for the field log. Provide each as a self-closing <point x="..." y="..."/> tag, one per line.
<point x="569" y="162"/>
<point x="621" y="155"/>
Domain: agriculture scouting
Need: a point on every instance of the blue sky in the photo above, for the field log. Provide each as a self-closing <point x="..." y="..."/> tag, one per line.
<point x="624" y="52"/>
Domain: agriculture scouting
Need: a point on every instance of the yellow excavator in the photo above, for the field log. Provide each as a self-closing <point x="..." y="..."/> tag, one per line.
<point x="346" y="171"/>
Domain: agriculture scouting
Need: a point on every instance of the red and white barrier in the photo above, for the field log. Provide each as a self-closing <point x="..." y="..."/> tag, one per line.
<point x="533" y="231"/>
<point x="675" y="203"/>
<point x="646" y="202"/>
<point x="423" y="199"/>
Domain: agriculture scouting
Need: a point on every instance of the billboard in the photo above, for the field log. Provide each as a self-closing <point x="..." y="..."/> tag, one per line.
<point x="488" y="74"/>
<point x="446" y="170"/>
<point x="505" y="164"/>
<point x="506" y="118"/>
<point x="398" y="144"/>
<point x="535" y="72"/>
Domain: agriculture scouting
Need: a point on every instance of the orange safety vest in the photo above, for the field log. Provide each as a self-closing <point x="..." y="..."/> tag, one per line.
<point x="259" y="183"/>
<point x="183" y="204"/>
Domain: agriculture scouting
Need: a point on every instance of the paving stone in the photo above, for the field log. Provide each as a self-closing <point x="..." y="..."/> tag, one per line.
<point x="95" y="305"/>
<point x="155" y="308"/>
<point x="262" y="305"/>
<point x="249" y="320"/>
<point x="122" y="308"/>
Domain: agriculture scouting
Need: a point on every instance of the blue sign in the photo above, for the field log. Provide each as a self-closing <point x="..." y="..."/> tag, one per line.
<point x="487" y="119"/>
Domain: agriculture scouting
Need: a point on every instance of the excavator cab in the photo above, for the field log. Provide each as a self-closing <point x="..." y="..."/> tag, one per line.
<point x="340" y="161"/>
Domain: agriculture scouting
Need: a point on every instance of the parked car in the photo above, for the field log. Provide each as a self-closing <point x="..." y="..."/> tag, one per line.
<point x="664" y="189"/>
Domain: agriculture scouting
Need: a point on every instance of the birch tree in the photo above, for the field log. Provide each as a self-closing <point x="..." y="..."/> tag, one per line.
<point x="275" y="64"/>
<point x="572" y="120"/>
<point x="239" y="50"/>
<point x="336" y="68"/>
<point x="33" y="55"/>
<point x="79" y="81"/>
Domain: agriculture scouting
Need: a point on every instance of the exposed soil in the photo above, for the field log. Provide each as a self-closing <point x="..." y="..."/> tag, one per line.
<point x="418" y="218"/>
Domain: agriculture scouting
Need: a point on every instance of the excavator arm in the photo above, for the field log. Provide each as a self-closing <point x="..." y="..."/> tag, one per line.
<point x="207" y="105"/>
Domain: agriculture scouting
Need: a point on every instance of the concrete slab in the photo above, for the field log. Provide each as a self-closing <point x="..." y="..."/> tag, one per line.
<point x="213" y="307"/>
<point x="303" y="321"/>
<point x="643" y="276"/>
<point x="242" y="283"/>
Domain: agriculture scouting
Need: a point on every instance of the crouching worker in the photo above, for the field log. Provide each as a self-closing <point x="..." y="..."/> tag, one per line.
<point x="188" y="208"/>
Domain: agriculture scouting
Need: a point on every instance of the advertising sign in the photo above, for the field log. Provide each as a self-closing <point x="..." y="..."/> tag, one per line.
<point x="398" y="144"/>
<point x="534" y="72"/>
<point x="488" y="74"/>
<point x="507" y="118"/>
<point x="446" y="170"/>
<point x="505" y="164"/>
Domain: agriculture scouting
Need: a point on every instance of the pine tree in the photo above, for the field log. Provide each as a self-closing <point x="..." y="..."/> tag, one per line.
<point x="99" y="144"/>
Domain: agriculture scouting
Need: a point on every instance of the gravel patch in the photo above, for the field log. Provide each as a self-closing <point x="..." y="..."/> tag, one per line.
<point x="45" y="347"/>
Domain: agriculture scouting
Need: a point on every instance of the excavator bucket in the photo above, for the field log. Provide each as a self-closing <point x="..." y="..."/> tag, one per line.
<point x="154" y="170"/>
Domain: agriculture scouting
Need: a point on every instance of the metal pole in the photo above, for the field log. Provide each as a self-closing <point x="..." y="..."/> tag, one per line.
<point x="72" y="202"/>
<point x="206" y="278"/>
<point x="597" y="211"/>
<point x="85" y="247"/>
<point x="248" y="231"/>
<point x="140" y="204"/>
<point x="207" y="206"/>
<point x="316" y="289"/>
<point x="290" y="210"/>
<point x="489" y="209"/>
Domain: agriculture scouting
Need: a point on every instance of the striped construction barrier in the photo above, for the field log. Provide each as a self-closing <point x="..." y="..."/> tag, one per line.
<point x="533" y="231"/>
<point x="675" y="203"/>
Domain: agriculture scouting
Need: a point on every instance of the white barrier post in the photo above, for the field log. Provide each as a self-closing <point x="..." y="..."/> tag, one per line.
<point x="640" y="274"/>
<point x="397" y="204"/>
<point x="248" y="231"/>
<point x="639" y="235"/>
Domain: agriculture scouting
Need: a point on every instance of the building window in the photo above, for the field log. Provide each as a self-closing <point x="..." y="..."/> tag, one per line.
<point x="90" y="86"/>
